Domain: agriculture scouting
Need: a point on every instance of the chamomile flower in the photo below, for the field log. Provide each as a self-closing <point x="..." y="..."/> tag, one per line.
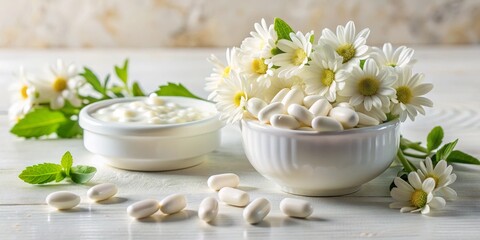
<point x="261" y="42"/>
<point x="23" y="96"/>
<point x="351" y="47"/>
<point x="387" y="56"/>
<point x="441" y="174"/>
<point x="379" y="114"/>
<point x="415" y="195"/>
<point x="220" y="71"/>
<point x="370" y="86"/>
<point x="232" y="95"/>
<point x="295" y="54"/>
<point x="409" y="91"/>
<point x="255" y="68"/>
<point x="323" y="76"/>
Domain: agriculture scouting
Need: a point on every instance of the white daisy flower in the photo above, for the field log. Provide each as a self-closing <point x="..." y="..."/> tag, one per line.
<point x="441" y="174"/>
<point x="232" y="96"/>
<point x="379" y="114"/>
<point x="400" y="57"/>
<point x="416" y="195"/>
<point x="370" y="86"/>
<point x="220" y="71"/>
<point x="295" y="54"/>
<point x="348" y="45"/>
<point x="255" y="68"/>
<point x="409" y="91"/>
<point x="323" y="76"/>
<point x="261" y="42"/>
<point x="24" y="96"/>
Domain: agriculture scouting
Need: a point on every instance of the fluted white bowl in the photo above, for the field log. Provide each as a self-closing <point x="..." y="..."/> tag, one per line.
<point x="320" y="164"/>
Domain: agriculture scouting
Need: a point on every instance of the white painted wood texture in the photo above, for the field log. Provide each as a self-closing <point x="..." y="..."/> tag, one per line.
<point x="364" y="214"/>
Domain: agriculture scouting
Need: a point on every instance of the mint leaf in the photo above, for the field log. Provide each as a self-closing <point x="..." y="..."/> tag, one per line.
<point x="282" y="28"/>
<point x="69" y="129"/>
<point x="457" y="156"/>
<point x="40" y="122"/>
<point x="40" y="173"/>
<point x="82" y="174"/>
<point x="67" y="162"/>
<point x="60" y="176"/>
<point x="445" y="151"/>
<point x="122" y="72"/>
<point x="173" y="89"/>
<point x="137" y="90"/>
<point x="434" y="138"/>
<point x="92" y="79"/>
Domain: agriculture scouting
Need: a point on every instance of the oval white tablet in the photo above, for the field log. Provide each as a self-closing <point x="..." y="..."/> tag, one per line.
<point x="345" y="105"/>
<point x="208" y="209"/>
<point x="254" y="105"/>
<point x="321" y="108"/>
<point x="173" y="203"/>
<point x="298" y="208"/>
<point x="234" y="197"/>
<point x="346" y="116"/>
<point x="326" y="124"/>
<point x="217" y="182"/>
<point x="280" y="95"/>
<point x="267" y="112"/>
<point x="144" y="208"/>
<point x="284" y="121"/>
<point x="300" y="113"/>
<point x="293" y="96"/>
<point x="102" y="191"/>
<point x="309" y="100"/>
<point x="257" y="210"/>
<point x="63" y="200"/>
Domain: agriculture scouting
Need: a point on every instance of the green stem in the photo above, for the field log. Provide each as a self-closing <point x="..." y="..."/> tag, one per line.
<point x="418" y="148"/>
<point x="407" y="165"/>
<point x="422" y="156"/>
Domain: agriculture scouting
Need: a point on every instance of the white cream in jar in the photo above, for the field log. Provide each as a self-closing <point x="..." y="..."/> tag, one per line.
<point x="151" y="110"/>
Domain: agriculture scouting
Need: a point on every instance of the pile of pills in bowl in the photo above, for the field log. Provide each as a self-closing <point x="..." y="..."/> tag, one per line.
<point x="254" y="211"/>
<point x="291" y="109"/>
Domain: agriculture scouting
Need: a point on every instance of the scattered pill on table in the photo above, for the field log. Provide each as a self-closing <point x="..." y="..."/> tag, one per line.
<point x="216" y="182"/>
<point x="208" y="209"/>
<point x="173" y="203"/>
<point x="257" y="210"/>
<point x="234" y="197"/>
<point x="294" y="207"/>
<point x="63" y="200"/>
<point x="144" y="208"/>
<point x="102" y="191"/>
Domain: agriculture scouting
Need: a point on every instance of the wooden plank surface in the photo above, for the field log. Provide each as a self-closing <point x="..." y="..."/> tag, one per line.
<point x="364" y="214"/>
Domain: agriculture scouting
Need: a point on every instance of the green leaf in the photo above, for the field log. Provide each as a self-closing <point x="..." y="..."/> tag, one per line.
<point x="282" y="28"/>
<point x="122" y="72"/>
<point x="60" y="176"/>
<point x="40" y="173"/>
<point x="362" y="63"/>
<point x="276" y="51"/>
<point x="69" y="129"/>
<point x="434" y="138"/>
<point x="67" y="162"/>
<point x="137" y="90"/>
<point x="117" y="90"/>
<point x="312" y="39"/>
<point x="445" y="151"/>
<point x="457" y="156"/>
<point x="172" y="89"/>
<point x="92" y="79"/>
<point x="82" y="174"/>
<point x="106" y="81"/>
<point x="40" y="122"/>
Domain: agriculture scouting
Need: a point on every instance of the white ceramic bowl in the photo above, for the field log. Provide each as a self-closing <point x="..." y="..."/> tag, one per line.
<point x="320" y="164"/>
<point x="149" y="147"/>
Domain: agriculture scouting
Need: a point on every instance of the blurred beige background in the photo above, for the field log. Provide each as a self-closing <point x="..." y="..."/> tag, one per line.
<point x="215" y="23"/>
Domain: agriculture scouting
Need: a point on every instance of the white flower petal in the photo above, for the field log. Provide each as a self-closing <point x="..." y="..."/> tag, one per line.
<point x="425" y="210"/>
<point x="437" y="203"/>
<point x="407" y="209"/>
<point x="414" y="180"/>
<point x="428" y="185"/>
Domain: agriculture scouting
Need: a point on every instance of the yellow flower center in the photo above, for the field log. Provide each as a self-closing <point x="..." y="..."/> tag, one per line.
<point x="328" y="76"/>
<point x="237" y="99"/>
<point x="23" y="91"/>
<point x="347" y="51"/>
<point x="419" y="198"/>
<point x="404" y="94"/>
<point x="298" y="56"/>
<point x="59" y="84"/>
<point x="368" y="86"/>
<point x="259" y="66"/>
<point x="392" y="64"/>
<point x="226" y="71"/>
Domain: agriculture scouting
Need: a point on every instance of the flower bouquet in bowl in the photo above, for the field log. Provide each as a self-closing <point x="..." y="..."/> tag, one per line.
<point x="319" y="116"/>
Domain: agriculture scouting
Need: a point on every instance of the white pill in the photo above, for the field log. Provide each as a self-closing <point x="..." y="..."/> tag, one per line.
<point x="346" y="116"/>
<point x="296" y="207"/>
<point x="366" y="120"/>
<point x="257" y="210"/>
<point x="284" y="121"/>
<point x="63" y="200"/>
<point x="300" y="113"/>
<point x="280" y="95"/>
<point x="309" y="100"/>
<point x="293" y="96"/>
<point x="143" y="208"/>
<point x="234" y="197"/>
<point x="136" y="105"/>
<point x="173" y="203"/>
<point x="217" y="182"/>
<point x="345" y="105"/>
<point x="208" y="209"/>
<point x="254" y="105"/>
<point x="153" y="99"/>
<point x="326" y="124"/>
<point x="102" y="191"/>
<point x="321" y="108"/>
<point x="267" y="112"/>
<point x="124" y="113"/>
<point x="156" y="120"/>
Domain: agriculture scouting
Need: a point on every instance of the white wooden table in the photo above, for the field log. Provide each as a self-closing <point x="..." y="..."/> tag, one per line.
<point x="24" y="214"/>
